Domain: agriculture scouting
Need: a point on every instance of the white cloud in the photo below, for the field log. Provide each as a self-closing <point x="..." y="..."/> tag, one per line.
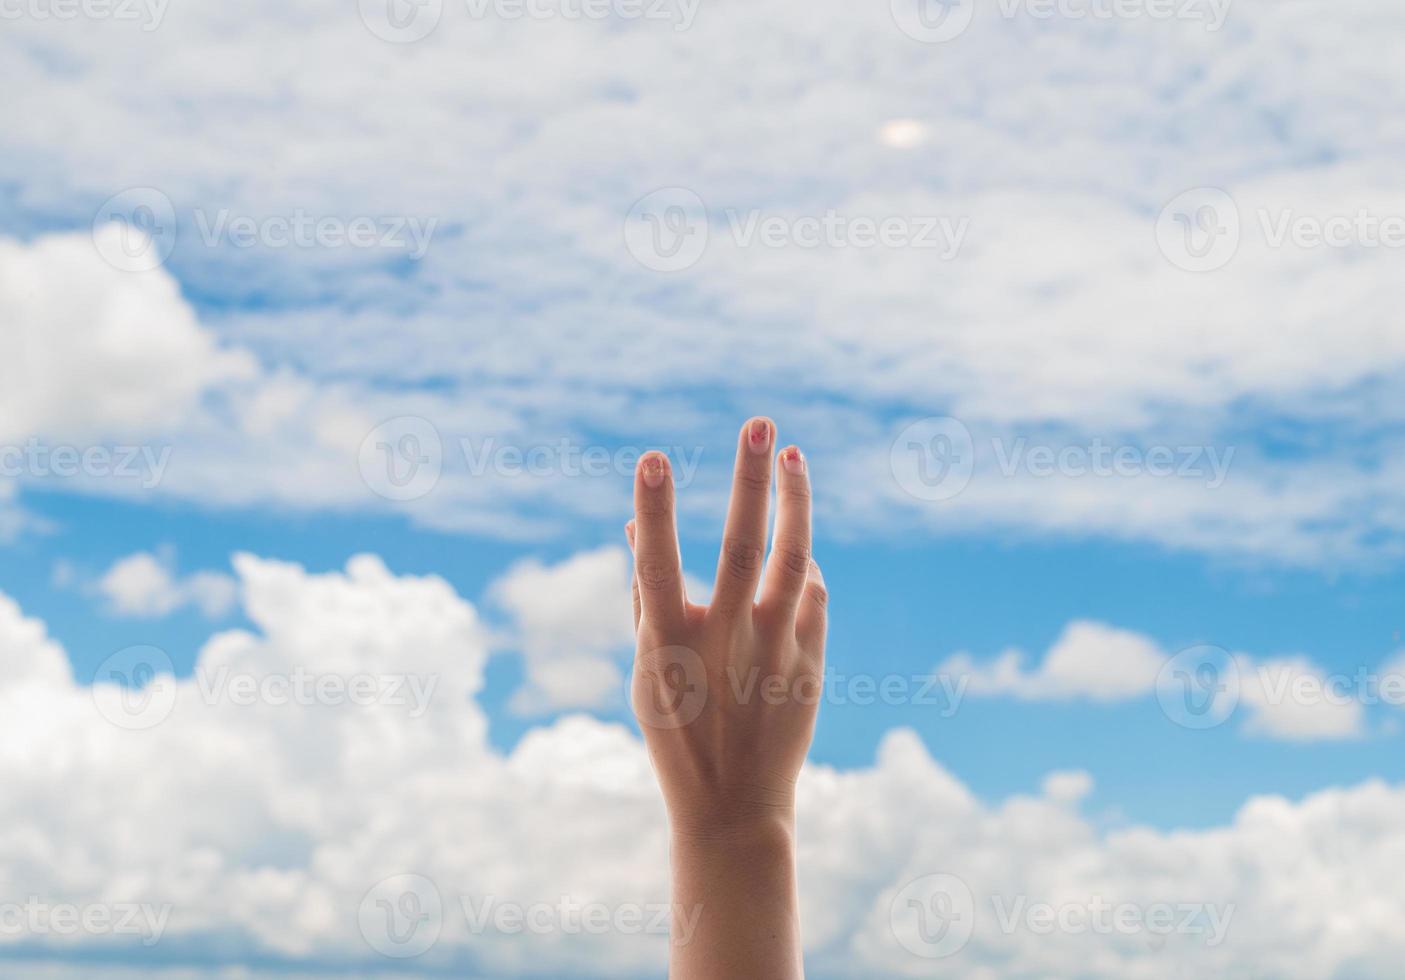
<point x="572" y="624"/>
<point x="1059" y="320"/>
<point x="1089" y="659"/>
<point x="91" y="351"/>
<point x="1291" y="698"/>
<point x="146" y="585"/>
<point x="1286" y="698"/>
<point x="292" y="812"/>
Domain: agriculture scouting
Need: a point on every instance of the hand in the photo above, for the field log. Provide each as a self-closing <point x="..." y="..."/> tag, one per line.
<point x="726" y="695"/>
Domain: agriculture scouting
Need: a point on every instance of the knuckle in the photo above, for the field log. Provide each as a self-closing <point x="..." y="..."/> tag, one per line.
<point x="818" y="594"/>
<point x="794" y="557"/>
<point x="753" y="483"/>
<point x="799" y="492"/>
<point x="741" y="558"/>
<point x="658" y="507"/>
<point x="654" y="576"/>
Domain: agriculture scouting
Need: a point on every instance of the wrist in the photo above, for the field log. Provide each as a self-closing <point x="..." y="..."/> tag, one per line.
<point x="731" y="829"/>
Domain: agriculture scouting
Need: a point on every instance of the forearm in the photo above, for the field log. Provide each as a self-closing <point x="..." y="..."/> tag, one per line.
<point x="735" y="906"/>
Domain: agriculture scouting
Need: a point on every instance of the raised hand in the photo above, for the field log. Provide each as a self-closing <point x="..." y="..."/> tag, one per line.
<point x="726" y="695"/>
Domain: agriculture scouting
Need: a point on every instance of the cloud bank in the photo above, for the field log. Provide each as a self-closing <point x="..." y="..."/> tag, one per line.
<point x="1067" y="315"/>
<point x="335" y="774"/>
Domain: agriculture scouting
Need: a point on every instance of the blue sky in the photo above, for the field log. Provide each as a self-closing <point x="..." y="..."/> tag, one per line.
<point x="899" y="610"/>
<point x="1087" y="324"/>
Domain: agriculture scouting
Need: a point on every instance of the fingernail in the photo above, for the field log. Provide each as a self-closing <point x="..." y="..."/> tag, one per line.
<point x="793" y="462"/>
<point x="759" y="438"/>
<point x="815" y="572"/>
<point x="653" y="471"/>
<point x="629" y="532"/>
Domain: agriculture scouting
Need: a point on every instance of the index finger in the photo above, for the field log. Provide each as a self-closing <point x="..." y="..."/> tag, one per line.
<point x="657" y="566"/>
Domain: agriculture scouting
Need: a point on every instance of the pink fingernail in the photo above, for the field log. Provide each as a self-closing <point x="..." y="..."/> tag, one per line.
<point x="759" y="438"/>
<point x="653" y="471"/>
<point x="793" y="462"/>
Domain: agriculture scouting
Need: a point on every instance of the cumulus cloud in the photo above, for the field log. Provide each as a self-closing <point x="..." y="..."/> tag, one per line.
<point x="313" y="812"/>
<point x="1286" y="698"/>
<point x="1089" y="659"/>
<point x="572" y="624"/>
<point x="177" y="413"/>
<point x="1291" y="698"/>
<point x="146" y="585"/>
<point x="93" y="351"/>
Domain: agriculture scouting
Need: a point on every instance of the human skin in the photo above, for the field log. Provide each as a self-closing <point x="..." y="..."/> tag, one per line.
<point x="726" y="695"/>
